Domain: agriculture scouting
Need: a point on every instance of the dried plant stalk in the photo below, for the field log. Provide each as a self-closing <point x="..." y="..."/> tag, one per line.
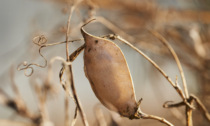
<point x="188" y="110"/>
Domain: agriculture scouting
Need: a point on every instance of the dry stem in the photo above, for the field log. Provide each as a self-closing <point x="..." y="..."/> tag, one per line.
<point x="69" y="69"/>
<point x="71" y="80"/>
<point x="68" y="27"/>
<point x="165" y="42"/>
<point x="162" y="120"/>
<point x="190" y="100"/>
<point x="201" y="106"/>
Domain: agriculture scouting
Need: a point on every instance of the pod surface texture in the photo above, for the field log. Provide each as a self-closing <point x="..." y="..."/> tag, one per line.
<point x="108" y="73"/>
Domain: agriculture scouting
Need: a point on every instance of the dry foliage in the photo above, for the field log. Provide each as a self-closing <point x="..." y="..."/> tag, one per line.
<point x="180" y="35"/>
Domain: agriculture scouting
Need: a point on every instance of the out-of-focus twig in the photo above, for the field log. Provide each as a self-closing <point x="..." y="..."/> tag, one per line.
<point x="99" y="115"/>
<point x="14" y="123"/>
<point x="17" y="103"/>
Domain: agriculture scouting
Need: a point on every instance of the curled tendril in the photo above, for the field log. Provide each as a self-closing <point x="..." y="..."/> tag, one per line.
<point x="28" y="75"/>
<point x="40" y="40"/>
<point x="25" y="66"/>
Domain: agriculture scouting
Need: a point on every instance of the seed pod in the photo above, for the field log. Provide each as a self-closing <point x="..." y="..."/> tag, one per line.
<point x="108" y="73"/>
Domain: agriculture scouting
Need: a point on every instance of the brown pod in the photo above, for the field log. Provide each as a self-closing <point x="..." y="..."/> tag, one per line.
<point x="108" y="73"/>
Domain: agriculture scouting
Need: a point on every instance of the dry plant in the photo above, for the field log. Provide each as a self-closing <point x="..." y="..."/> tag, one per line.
<point x="142" y="25"/>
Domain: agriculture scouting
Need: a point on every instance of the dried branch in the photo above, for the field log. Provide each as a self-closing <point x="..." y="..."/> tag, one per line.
<point x="162" y="120"/>
<point x="71" y="80"/>
<point x="172" y="105"/>
<point x="166" y="43"/>
<point x="68" y="26"/>
<point x="69" y="72"/>
<point x="190" y="100"/>
<point x="201" y="106"/>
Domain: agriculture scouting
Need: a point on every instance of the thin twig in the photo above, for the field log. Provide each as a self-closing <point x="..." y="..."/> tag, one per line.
<point x="166" y="43"/>
<point x="201" y="106"/>
<point x="162" y="120"/>
<point x="172" y="105"/>
<point x="68" y="27"/>
<point x="75" y="117"/>
<point x="69" y="69"/>
<point x="190" y="100"/>
<point x="71" y="80"/>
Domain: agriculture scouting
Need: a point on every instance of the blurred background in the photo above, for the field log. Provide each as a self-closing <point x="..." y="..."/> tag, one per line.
<point x="184" y="23"/>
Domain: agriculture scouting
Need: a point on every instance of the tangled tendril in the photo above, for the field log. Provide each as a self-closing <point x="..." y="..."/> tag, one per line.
<point x="40" y="41"/>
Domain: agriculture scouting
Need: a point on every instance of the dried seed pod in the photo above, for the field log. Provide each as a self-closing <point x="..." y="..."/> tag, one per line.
<point x="108" y="73"/>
